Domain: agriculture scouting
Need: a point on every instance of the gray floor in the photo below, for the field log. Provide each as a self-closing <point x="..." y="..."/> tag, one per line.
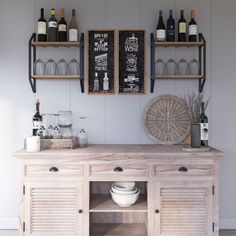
<point x="14" y="233"/>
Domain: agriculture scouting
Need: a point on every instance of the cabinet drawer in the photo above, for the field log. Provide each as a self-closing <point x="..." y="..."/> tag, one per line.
<point x="119" y="170"/>
<point x="54" y="170"/>
<point x="182" y="170"/>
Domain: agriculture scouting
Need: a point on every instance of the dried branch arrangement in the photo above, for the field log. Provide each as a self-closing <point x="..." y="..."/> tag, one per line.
<point x="194" y="102"/>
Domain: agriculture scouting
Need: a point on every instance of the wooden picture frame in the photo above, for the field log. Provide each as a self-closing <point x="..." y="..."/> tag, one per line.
<point x="132" y="62"/>
<point x="101" y="61"/>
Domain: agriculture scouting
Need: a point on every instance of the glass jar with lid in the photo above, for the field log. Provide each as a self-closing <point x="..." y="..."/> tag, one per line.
<point x="73" y="67"/>
<point x="65" y="119"/>
<point x="50" y="68"/>
<point x="62" y="67"/>
<point x="39" y="67"/>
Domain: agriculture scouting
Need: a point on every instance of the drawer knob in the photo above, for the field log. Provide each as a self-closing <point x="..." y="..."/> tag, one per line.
<point x="183" y="169"/>
<point x="118" y="169"/>
<point x="53" y="169"/>
<point x="80" y="211"/>
<point x="157" y="211"/>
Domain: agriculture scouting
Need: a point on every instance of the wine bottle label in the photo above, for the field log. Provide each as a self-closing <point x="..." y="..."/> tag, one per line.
<point x="193" y="30"/>
<point x="37" y="124"/>
<point x="52" y="24"/>
<point x="204" y="131"/>
<point x="62" y="28"/>
<point x="182" y="27"/>
<point x="161" y="34"/>
<point x="42" y="27"/>
<point x="73" y="35"/>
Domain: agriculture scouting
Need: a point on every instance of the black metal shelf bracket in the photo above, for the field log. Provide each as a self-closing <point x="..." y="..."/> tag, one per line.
<point x="202" y="62"/>
<point x="152" y="62"/>
<point x="32" y="54"/>
<point x="82" y="62"/>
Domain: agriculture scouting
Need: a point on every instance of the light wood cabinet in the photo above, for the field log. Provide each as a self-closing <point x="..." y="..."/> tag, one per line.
<point x="183" y="208"/>
<point x="67" y="192"/>
<point x="53" y="208"/>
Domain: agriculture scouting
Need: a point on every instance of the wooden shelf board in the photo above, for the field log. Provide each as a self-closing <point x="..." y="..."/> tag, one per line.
<point x="55" y="77"/>
<point x="118" y="229"/>
<point x="178" y="44"/>
<point x="56" y="44"/>
<point x="179" y="77"/>
<point x="104" y="203"/>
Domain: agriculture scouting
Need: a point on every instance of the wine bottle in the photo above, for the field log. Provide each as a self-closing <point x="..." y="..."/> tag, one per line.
<point x="192" y="28"/>
<point x="42" y="28"/>
<point x="62" y="28"/>
<point x="105" y="83"/>
<point x="52" y="27"/>
<point x="73" y="29"/>
<point x="182" y="28"/>
<point x="171" y="27"/>
<point x="160" y="30"/>
<point x="96" y="83"/>
<point x="204" y="126"/>
<point x="37" y="119"/>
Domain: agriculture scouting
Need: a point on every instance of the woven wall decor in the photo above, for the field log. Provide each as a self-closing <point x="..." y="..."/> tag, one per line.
<point x="166" y="119"/>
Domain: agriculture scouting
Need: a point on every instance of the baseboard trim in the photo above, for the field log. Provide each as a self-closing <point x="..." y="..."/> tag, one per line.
<point x="9" y="223"/>
<point x="12" y="223"/>
<point x="228" y="223"/>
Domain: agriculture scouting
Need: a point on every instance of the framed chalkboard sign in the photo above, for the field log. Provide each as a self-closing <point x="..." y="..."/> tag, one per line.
<point x="132" y="61"/>
<point x="101" y="61"/>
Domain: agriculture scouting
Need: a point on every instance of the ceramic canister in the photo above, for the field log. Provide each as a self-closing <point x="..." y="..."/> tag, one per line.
<point x="33" y="144"/>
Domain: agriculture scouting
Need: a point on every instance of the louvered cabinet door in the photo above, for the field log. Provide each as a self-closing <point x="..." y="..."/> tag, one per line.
<point x="183" y="209"/>
<point x="53" y="209"/>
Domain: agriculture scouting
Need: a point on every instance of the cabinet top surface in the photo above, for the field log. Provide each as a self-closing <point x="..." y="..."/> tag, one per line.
<point x="140" y="151"/>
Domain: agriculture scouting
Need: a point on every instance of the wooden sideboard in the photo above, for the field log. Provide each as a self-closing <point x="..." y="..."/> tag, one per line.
<point x="66" y="192"/>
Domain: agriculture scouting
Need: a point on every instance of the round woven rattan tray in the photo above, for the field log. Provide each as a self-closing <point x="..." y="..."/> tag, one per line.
<point x="166" y="119"/>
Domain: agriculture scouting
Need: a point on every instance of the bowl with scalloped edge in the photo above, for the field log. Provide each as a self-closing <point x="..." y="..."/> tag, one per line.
<point x="125" y="200"/>
<point x="115" y="190"/>
<point x="124" y="185"/>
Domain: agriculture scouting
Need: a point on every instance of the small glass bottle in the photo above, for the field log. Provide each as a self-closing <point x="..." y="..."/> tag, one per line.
<point x="96" y="83"/>
<point x="83" y="138"/>
<point x="105" y="83"/>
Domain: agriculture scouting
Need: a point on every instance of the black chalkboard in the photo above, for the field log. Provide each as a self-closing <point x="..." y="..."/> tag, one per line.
<point x="101" y="61"/>
<point x="131" y="61"/>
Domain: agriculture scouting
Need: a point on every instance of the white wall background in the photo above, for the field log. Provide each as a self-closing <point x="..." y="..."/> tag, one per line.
<point x="112" y="118"/>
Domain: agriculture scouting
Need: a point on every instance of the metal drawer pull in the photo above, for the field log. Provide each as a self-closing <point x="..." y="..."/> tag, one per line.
<point x="53" y="169"/>
<point x="157" y="211"/>
<point x="118" y="169"/>
<point x="183" y="169"/>
<point x="80" y="211"/>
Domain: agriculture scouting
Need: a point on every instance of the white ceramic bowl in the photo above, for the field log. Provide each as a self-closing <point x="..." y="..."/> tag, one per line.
<point x="124" y="185"/>
<point x="125" y="200"/>
<point x="114" y="190"/>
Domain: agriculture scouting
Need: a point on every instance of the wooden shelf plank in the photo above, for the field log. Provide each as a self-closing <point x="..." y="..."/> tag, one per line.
<point x="104" y="203"/>
<point x="55" y="77"/>
<point x="118" y="229"/>
<point x="179" y="44"/>
<point x="56" y="44"/>
<point x="179" y="77"/>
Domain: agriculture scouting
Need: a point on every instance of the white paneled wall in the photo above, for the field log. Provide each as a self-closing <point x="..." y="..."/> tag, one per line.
<point x="111" y="118"/>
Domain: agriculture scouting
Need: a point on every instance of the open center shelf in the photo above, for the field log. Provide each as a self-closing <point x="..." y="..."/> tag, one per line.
<point x="104" y="203"/>
<point x="99" y="229"/>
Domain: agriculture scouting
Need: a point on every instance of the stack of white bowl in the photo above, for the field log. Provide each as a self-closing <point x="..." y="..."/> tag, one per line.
<point x="124" y="194"/>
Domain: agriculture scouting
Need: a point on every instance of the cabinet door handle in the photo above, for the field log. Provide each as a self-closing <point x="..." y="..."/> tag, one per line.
<point x="157" y="211"/>
<point x="183" y="169"/>
<point x="118" y="169"/>
<point x="80" y="211"/>
<point x="53" y="169"/>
